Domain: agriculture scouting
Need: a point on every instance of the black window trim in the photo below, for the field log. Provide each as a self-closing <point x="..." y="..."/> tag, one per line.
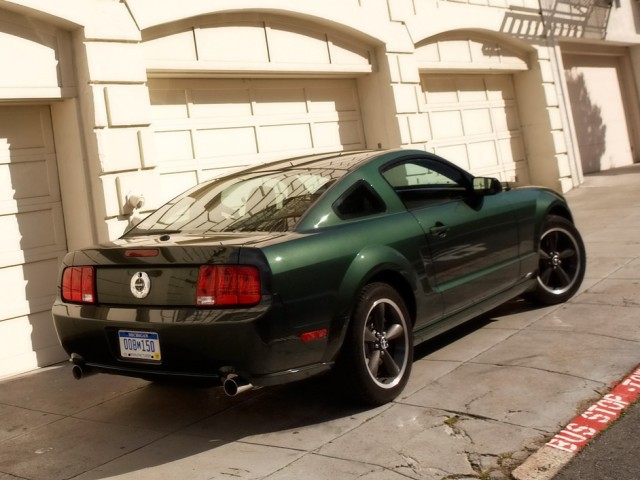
<point x="358" y="184"/>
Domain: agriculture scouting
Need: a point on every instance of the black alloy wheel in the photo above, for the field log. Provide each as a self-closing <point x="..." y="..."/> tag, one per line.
<point x="378" y="352"/>
<point x="562" y="261"/>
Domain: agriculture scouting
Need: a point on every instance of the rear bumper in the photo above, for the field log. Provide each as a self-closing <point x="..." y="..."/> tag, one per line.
<point x="203" y="379"/>
<point x="203" y="345"/>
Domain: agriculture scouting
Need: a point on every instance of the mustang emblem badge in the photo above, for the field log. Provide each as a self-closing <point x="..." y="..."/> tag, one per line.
<point x="140" y="284"/>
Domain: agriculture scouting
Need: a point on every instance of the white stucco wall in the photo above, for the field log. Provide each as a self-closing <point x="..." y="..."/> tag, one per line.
<point x="104" y="56"/>
<point x="91" y="61"/>
<point x="624" y="22"/>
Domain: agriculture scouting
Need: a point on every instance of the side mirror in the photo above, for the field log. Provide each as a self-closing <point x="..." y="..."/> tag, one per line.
<point x="486" y="186"/>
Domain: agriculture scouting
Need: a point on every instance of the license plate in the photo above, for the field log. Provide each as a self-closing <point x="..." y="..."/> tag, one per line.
<point x="139" y="345"/>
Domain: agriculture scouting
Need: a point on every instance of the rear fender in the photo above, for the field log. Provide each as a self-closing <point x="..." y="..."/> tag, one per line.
<point x="370" y="262"/>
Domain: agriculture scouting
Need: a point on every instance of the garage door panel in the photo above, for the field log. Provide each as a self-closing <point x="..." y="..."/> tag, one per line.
<point x="500" y="87"/>
<point x="15" y="338"/>
<point x="482" y="155"/>
<point x="43" y="334"/>
<point x="31" y="232"/>
<point x="15" y="139"/>
<point x="279" y="101"/>
<point x="453" y="151"/>
<point x="31" y="287"/>
<point x="33" y="241"/>
<point x="28" y="180"/>
<point x="221" y="103"/>
<point x="323" y="100"/>
<point x="173" y="146"/>
<point x="474" y="122"/>
<point x="283" y="138"/>
<point x="601" y="110"/>
<point x="234" y="122"/>
<point x="336" y="134"/>
<point x="168" y="104"/>
<point x="477" y="121"/>
<point x="446" y="124"/>
<point x="173" y="184"/>
<point x="22" y="337"/>
<point x="438" y="89"/>
<point x="471" y="89"/>
<point x="223" y="142"/>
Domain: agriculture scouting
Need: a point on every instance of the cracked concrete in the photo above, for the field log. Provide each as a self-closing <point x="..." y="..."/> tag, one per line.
<point x="480" y="400"/>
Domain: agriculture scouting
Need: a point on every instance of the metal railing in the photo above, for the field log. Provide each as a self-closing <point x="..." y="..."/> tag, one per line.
<point x="566" y="18"/>
<point x="577" y="18"/>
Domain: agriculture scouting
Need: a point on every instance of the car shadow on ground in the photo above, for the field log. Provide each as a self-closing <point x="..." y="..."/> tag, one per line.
<point x="513" y="307"/>
<point x="120" y="425"/>
<point x="228" y="432"/>
<point x="303" y="415"/>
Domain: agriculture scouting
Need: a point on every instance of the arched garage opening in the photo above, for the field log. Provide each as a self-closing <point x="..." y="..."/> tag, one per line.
<point x="235" y="89"/>
<point x="470" y="97"/>
<point x="36" y="75"/>
<point x="604" y="105"/>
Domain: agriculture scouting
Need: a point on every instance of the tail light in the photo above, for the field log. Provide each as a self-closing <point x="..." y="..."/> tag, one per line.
<point x="228" y="285"/>
<point x="141" y="253"/>
<point x="78" y="285"/>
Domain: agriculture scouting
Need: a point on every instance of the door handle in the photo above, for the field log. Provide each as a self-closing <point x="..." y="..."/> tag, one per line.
<point x="439" y="230"/>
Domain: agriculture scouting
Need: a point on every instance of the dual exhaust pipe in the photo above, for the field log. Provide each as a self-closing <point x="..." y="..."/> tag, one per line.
<point x="79" y="372"/>
<point x="232" y="384"/>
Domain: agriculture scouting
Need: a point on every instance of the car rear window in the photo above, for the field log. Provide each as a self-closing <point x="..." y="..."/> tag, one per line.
<point x="256" y="202"/>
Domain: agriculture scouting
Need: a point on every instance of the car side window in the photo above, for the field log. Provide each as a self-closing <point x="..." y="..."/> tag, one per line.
<point x="420" y="183"/>
<point x="359" y="201"/>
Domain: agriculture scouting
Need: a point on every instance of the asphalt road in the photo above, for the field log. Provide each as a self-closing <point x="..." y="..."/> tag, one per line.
<point x="613" y="455"/>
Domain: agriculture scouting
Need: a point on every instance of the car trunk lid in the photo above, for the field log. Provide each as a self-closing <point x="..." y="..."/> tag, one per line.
<point x="147" y="271"/>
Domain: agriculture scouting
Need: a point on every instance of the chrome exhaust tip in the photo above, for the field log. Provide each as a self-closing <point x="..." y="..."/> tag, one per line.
<point x="79" y="372"/>
<point x="234" y="385"/>
<point x="79" y="369"/>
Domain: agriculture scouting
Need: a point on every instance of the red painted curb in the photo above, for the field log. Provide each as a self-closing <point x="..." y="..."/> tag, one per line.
<point x="598" y="416"/>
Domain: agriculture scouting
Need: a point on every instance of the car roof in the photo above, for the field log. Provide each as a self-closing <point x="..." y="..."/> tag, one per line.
<point x="347" y="161"/>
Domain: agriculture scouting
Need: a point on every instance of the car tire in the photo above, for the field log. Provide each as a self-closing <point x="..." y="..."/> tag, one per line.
<point x="562" y="261"/>
<point x="376" y="359"/>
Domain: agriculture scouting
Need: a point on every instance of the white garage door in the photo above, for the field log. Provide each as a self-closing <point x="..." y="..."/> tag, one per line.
<point x="598" y="105"/>
<point x="474" y="123"/>
<point x="205" y="126"/>
<point x="32" y="240"/>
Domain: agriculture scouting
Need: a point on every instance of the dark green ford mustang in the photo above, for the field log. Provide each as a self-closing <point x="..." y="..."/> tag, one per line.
<point x="290" y="269"/>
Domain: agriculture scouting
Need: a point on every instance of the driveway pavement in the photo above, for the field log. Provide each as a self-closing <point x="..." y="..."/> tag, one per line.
<point x="481" y="399"/>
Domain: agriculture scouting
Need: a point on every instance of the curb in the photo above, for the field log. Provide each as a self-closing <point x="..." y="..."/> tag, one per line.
<point x="557" y="452"/>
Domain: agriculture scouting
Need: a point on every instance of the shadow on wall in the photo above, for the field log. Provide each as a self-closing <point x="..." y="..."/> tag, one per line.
<point x="33" y="241"/>
<point x="590" y="129"/>
<point x="564" y="18"/>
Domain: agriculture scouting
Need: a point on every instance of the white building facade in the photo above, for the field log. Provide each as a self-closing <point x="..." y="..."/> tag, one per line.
<point x="101" y="100"/>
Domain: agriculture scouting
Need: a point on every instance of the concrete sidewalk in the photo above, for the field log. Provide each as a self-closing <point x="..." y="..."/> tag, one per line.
<point x="479" y="402"/>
